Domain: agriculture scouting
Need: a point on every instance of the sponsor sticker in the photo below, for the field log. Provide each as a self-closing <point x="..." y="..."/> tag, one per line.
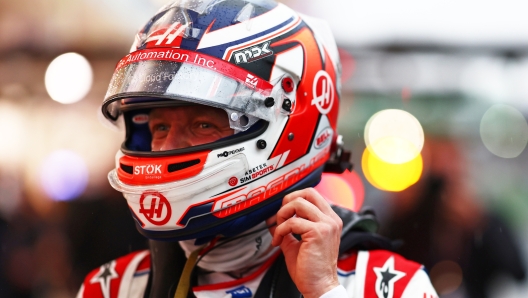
<point x="186" y="56"/>
<point x="227" y="153"/>
<point x="149" y="171"/>
<point x="240" y="292"/>
<point x="323" y="92"/>
<point x="323" y="138"/>
<point x="233" y="181"/>
<point x="238" y="201"/>
<point x="167" y="37"/>
<point x="140" y="119"/>
<point x="155" y="208"/>
<point x="252" y="81"/>
<point x="256" y="172"/>
<point x="253" y="53"/>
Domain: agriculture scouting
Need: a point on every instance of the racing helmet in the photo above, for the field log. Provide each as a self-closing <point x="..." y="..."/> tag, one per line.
<point x="272" y="74"/>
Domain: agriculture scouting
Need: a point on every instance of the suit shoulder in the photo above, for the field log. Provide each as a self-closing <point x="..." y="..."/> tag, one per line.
<point x="114" y="279"/>
<point x="383" y="273"/>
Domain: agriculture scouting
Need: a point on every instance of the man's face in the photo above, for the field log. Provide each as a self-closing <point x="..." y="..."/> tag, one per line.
<point x="186" y="126"/>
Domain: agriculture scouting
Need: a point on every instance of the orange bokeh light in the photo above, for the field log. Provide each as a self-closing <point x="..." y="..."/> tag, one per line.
<point x="345" y="190"/>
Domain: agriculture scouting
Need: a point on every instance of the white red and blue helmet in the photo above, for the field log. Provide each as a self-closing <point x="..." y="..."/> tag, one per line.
<point x="275" y="73"/>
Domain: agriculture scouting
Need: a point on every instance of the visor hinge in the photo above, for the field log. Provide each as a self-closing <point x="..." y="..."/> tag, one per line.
<point x="287" y="105"/>
<point x="269" y="102"/>
<point x="261" y="144"/>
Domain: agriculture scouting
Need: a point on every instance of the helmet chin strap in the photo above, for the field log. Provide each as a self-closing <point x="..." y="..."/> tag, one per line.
<point x="235" y="253"/>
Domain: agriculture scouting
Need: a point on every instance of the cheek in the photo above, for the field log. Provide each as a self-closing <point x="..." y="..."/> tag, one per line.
<point x="210" y="137"/>
<point x="188" y="138"/>
<point x="156" y="144"/>
<point x="200" y="140"/>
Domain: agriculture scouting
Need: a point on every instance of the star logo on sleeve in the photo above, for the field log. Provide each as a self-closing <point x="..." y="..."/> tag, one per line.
<point x="386" y="276"/>
<point x="104" y="276"/>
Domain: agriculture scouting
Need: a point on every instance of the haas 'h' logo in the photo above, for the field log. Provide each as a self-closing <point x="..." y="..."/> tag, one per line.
<point x="155" y="208"/>
<point x="323" y="92"/>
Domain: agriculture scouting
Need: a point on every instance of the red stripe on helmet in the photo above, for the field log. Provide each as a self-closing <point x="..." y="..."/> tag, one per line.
<point x="303" y="121"/>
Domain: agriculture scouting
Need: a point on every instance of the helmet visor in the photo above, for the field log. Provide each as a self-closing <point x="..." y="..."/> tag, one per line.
<point x="186" y="76"/>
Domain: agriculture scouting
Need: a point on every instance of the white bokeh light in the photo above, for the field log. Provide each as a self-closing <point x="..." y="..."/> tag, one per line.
<point x="68" y="78"/>
<point x="395" y="136"/>
<point x="504" y="131"/>
<point x="64" y="175"/>
<point x="13" y="134"/>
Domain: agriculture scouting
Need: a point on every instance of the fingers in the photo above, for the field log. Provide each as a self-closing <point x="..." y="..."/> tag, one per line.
<point x="311" y="261"/>
<point x="295" y="225"/>
<point x="301" y="208"/>
<point x="306" y="213"/>
<point x="312" y="196"/>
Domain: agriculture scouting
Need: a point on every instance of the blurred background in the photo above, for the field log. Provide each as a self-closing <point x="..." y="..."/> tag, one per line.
<point x="434" y="106"/>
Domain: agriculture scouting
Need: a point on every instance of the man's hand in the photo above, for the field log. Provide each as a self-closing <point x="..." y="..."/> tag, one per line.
<point x="311" y="261"/>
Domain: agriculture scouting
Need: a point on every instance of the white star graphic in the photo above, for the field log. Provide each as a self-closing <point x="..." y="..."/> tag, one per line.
<point x="386" y="277"/>
<point x="104" y="276"/>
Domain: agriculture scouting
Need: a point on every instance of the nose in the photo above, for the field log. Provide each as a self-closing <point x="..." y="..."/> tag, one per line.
<point x="175" y="140"/>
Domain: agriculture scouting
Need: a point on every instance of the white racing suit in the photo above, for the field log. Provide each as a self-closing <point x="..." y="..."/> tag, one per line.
<point x="365" y="270"/>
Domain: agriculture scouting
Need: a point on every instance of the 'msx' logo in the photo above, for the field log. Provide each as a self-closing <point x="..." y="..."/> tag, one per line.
<point x="253" y="53"/>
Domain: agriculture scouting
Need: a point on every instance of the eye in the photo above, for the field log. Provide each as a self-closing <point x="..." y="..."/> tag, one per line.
<point x="161" y="127"/>
<point x="205" y="125"/>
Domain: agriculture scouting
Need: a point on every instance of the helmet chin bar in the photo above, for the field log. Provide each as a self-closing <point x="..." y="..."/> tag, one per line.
<point x="206" y="227"/>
